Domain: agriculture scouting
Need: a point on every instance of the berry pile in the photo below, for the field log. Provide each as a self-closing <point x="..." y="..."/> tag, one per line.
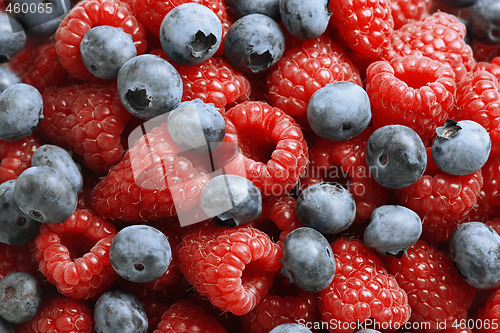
<point x="254" y="166"/>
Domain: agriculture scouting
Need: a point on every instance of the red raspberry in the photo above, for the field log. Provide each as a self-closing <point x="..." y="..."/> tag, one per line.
<point x="488" y="202"/>
<point x="414" y="91"/>
<point x="345" y="162"/>
<point x="406" y="11"/>
<point x="154" y="311"/>
<point x="234" y="268"/>
<point x="17" y="258"/>
<point x="441" y="200"/>
<point x="367" y="27"/>
<point x="136" y="189"/>
<point x="439" y="37"/>
<point x="39" y="66"/>
<point x="483" y="52"/>
<point x="282" y="212"/>
<point x="74" y="255"/>
<point x="88" y="119"/>
<point x="15" y="157"/>
<point x="185" y="316"/>
<point x="490" y="314"/>
<point x="436" y="292"/>
<point x="493" y="67"/>
<point x="361" y="289"/>
<point x="304" y="70"/>
<point x="84" y="16"/>
<point x="478" y="99"/>
<point x="274" y="152"/>
<point x="60" y="315"/>
<point x="495" y="224"/>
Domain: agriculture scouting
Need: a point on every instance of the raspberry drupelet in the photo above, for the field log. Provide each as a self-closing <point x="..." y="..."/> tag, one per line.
<point x="15" y="157"/>
<point x="406" y="11"/>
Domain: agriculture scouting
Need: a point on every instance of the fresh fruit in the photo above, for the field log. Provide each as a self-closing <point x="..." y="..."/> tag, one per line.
<point x="483" y="21"/>
<point x="305" y="20"/>
<point x="13" y="37"/>
<point x="489" y="313"/>
<point x="392" y="230"/>
<point x="404" y="11"/>
<point x="7" y="78"/>
<point x="290" y="328"/>
<point x="44" y="21"/>
<point x="16" y="156"/>
<point x="6" y="327"/>
<point x="240" y="8"/>
<point x="20" y="297"/>
<point x="308" y="259"/>
<point x="326" y="207"/>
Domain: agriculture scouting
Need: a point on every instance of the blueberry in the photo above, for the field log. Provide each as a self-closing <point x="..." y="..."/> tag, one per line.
<point x="305" y="19"/>
<point x="59" y="159"/>
<point x="254" y="43"/>
<point x="475" y="250"/>
<point x="326" y="207"/>
<point x="140" y="253"/>
<point x="195" y="124"/>
<point x="308" y="259"/>
<point x="21" y="108"/>
<point x="118" y="311"/>
<point x="232" y="199"/>
<point x="44" y="21"/>
<point x="149" y="86"/>
<point x="339" y="111"/>
<point x="105" y="49"/>
<point x="484" y="21"/>
<point x="12" y="37"/>
<point x="392" y="230"/>
<point x="20" y="297"/>
<point x="290" y="328"/>
<point x="6" y="327"/>
<point x="15" y="227"/>
<point x="240" y="8"/>
<point x="7" y="78"/>
<point x="459" y="3"/>
<point x="461" y="148"/>
<point x="45" y="195"/>
<point x="190" y="34"/>
<point x="367" y="330"/>
<point x="396" y="156"/>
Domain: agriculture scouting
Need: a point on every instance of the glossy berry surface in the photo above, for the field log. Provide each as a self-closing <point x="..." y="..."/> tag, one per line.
<point x="20" y="297"/>
<point x="305" y="20"/>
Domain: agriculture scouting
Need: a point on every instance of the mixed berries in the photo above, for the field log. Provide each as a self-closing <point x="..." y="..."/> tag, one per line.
<point x="254" y="166"/>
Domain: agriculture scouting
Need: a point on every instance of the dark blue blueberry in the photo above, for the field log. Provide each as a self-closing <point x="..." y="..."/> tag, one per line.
<point x="15" y="227"/>
<point x="6" y="327"/>
<point x="119" y="312"/>
<point x="484" y="21"/>
<point x="12" y="37"/>
<point x="459" y="3"/>
<point x="392" y="230"/>
<point x="59" y="159"/>
<point x="7" y="78"/>
<point x="308" y="259"/>
<point x="305" y="19"/>
<point x="461" y="148"/>
<point x="105" y="49"/>
<point x="396" y="156"/>
<point x="43" y="16"/>
<point x="21" y="108"/>
<point x="232" y="199"/>
<point x="339" y="111"/>
<point x="254" y="43"/>
<point x="475" y="250"/>
<point x="290" y="328"/>
<point x="240" y="8"/>
<point x="149" y="86"/>
<point x="194" y="124"/>
<point x="20" y="297"/>
<point x="45" y="195"/>
<point x="326" y="207"/>
<point x="140" y="253"/>
<point x="190" y="34"/>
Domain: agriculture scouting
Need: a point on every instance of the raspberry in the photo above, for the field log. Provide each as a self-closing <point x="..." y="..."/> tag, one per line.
<point x="495" y="224"/>
<point x="439" y="37"/>
<point x="15" y="157"/>
<point x="436" y="292"/>
<point x="185" y="316"/>
<point x="88" y="119"/>
<point x="493" y="67"/>
<point x="361" y="289"/>
<point x="367" y="27"/>
<point x="74" y="255"/>
<point x="414" y="91"/>
<point x="282" y="212"/>
<point x="406" y="11"/>
<point x="483" y="52"/>
<point x="304" y="70"/>
<point x="83" y="17"/>
<point x="478" y="99"/>
<point x="234" y="268"/>
<point x="136" y="189"/>
<point x="490" y="313"/>
<point x="442" y="201"/>
<point x="274" y="152"/>
<point x="60" y="315"/>
<point x="488" y="202"/>
<point x="17" y="258"/>
<point x="39" y="66"/>
<point x="154" y="312"/>
<point x="345" y="162"/>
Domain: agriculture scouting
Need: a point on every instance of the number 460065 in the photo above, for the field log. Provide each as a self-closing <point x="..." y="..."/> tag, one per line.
<point x="29" y="8"/>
